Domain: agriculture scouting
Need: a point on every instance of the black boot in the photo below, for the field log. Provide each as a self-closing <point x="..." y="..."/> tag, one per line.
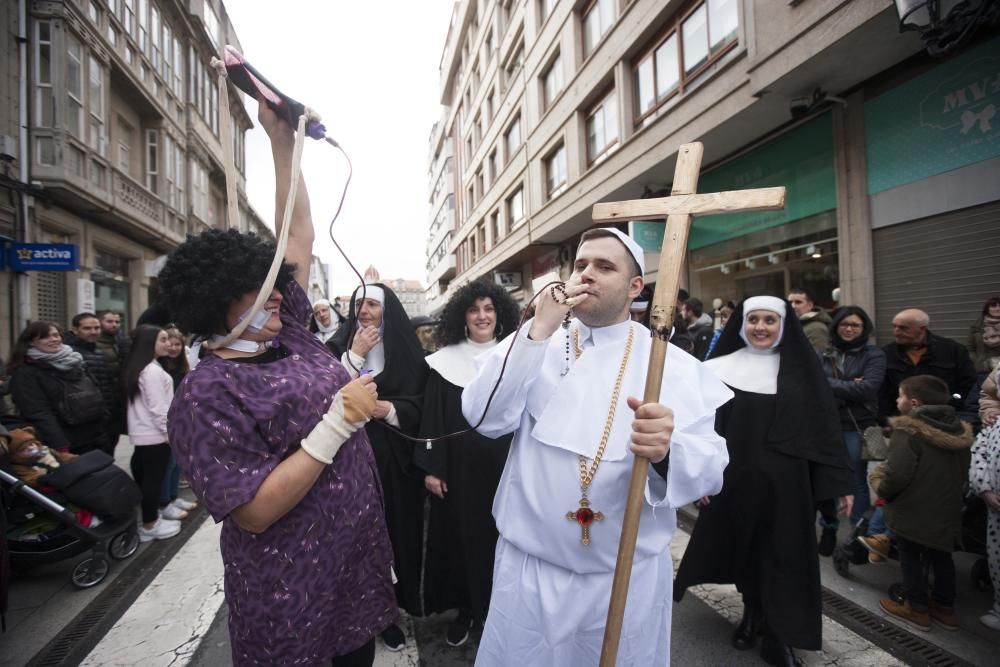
<point x="745" y="637"/>
<point x="827" y="542"/>
<point x="773" y="652"/>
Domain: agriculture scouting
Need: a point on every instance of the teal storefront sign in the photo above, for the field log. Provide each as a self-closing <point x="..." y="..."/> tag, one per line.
<point x="944" y="119"/>
<point x="801" y="160"/>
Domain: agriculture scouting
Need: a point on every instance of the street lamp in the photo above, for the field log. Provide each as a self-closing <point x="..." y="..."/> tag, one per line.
<point x="946" y="24"/>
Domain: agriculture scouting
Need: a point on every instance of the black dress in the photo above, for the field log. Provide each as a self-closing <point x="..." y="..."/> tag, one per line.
<point x="758" y="532"/>
<point x="461" y="533"/>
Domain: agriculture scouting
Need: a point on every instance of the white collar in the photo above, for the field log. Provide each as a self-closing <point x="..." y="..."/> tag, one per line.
<point x="243" y="345"/>
<point x="748" y="369"/>
<point x="612" y="333"/>
<point x="457" y="363"/>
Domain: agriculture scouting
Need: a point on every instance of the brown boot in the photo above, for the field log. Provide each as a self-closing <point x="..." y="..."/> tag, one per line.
<point x="904" y="612"/>
<point x="943" y="616"/>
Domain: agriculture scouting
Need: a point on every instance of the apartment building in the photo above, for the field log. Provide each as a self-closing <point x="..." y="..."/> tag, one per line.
<point x="120" y="155"/>
<point x="890" y="156"/>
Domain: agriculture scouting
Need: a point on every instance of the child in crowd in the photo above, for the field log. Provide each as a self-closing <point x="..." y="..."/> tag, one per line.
<point x="923" y="482"/>
<point x="984" y="480"/>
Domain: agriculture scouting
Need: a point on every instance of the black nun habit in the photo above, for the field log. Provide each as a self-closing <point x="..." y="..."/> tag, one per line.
<point x="786" y="454"/>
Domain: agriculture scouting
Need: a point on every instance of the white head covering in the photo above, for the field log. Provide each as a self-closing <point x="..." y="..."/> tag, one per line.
<point x="373" y="292"/>
<point x="769" y="303"/>
<point x="325" y="332"/>
<point x="375" y="359"/>
<point x="633" y="248"/>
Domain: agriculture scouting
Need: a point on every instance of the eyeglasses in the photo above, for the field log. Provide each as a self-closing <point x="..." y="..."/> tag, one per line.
<point x="850" y="325"/>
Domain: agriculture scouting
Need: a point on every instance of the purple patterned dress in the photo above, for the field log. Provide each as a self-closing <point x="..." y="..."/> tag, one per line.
<point x="316" y="584"/>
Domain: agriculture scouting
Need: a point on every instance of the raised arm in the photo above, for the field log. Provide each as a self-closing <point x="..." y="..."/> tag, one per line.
<point x="301" y="233"/>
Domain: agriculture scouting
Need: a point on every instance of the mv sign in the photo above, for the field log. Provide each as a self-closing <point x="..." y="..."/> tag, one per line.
<point x="44" y="257"/>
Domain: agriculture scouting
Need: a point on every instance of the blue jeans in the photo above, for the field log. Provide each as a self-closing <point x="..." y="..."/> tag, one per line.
<point x="876" y="525"/>
<point x="168" y="492"/>
<point x="862" y="499"/>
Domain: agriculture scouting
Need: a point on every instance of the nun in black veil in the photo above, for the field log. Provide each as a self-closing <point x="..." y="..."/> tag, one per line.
<point x="783" y="436"/>
<point x="385" y="345"/>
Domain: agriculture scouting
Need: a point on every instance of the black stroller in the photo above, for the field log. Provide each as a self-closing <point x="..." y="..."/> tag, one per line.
<point x="41" y="530"/>
<point x="974" y="511"/>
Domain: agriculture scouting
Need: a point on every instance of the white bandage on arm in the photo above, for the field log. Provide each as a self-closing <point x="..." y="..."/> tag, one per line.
<point x="332" y="431"/>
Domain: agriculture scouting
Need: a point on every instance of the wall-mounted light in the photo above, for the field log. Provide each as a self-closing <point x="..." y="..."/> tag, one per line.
<point x="773" y="258"/>
<point x="814" y="252"/>
<point x="725" y="269"/>
<point x="750" y="264"/>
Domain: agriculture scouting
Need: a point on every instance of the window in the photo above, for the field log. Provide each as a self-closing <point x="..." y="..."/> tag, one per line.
<point x="470" y="199"/>
<point x="480" y="184"/>
<point x="552" y="82"/>
<point x="515" y="208"/>
<point x="512" y="138"/>
<point x="545" y="8"/>
<point x="152" y="160"/>
<point x="112" y="36"/>
<point x="74" y="85"/>
<point x="124" y="145"/>
<point x="179" y="179"/>
<point x="555" y="171"/>
<point x="682" y="52"/>
<point x="143" y="38"/>
<point x="212" y="24"/>
<point x="94" y="12"/>
<point x="602" y="128"/>
<point x="488" y="45"/>
<point x="494" y="166"/>
<point x="168" y="57"/>
<point x="513" y="65"/>
<point x="129" y="21"/>
<point x="199" y="190"/>
<point x="45" y="104"/>
<point x="481" y="238"/>
<point x="96" y="137"/>
<point x="490" y="107"/>
<point x="597" y="18"/>
<point x="495" y="227"/>
<point x="178" y="68"/>
<point x="155" y="36"/>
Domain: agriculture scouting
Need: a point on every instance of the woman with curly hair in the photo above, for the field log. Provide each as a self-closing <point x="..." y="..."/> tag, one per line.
<point x="267" y="428"/>
<point x="462" y="473"/>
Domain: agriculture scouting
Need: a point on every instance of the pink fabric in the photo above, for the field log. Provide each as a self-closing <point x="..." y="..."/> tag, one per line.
<point x="147" y="414"/>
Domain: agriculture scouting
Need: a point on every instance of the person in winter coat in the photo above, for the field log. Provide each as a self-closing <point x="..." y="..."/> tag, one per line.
<point x="923" y="482"/>
<point x="815" y="322"/>
<point x="984" y="481"/>
<point x="984" y="338"/>
<point x="54" y="391"/>
<point x="83" y="339"/>
<point x="700" y="326"/>
<point x="855" y="370"/>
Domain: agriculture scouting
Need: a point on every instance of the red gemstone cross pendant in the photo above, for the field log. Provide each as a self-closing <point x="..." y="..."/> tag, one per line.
<point x="585" y="516"/>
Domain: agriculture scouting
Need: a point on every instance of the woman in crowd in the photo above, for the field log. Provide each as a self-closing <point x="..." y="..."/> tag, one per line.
<point x="385" y="346"/>
<point x="54" y="393"/>
<point x="855" y="370"/>
<point x="148" y="392"/>
<point x="984" y="338"/>
<point x="175" y="363"/>
<point x="267" y="430"/>
<point x="325" y="321"/>
<point x="462" y="473"/>
<point x="785" y="453"/>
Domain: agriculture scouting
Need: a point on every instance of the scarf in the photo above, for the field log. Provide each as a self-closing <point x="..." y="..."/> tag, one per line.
<point x="66" y="359"/>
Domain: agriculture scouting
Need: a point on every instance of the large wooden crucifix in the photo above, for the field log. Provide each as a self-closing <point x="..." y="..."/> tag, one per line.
<point x="678" y="208"/>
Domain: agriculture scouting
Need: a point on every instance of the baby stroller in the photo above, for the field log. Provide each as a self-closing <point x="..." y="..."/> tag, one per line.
<point x="43" y="530"/>
<point x="852" y="552"/>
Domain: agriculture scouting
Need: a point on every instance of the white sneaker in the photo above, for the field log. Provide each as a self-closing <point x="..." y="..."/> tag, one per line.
<point x="991" y="619"/>
<point x="185" y="505"/>
<point x="160" y="530"/>
<point x="173" y="512"/>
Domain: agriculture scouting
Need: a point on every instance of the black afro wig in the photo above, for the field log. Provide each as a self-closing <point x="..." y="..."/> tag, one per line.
<point x="451" y="323"/>
<point x="210" y="271"/>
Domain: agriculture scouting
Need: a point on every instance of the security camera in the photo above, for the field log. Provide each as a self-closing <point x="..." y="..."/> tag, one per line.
<point x="800" y="106"/>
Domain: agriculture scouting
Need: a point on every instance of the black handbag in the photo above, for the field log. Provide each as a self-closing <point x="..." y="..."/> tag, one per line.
<point x="81" y="402"/>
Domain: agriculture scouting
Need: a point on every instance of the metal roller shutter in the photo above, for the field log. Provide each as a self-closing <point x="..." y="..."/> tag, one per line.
<point x="946" y="265"/>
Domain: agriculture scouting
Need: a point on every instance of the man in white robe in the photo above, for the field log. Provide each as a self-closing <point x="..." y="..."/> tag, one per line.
<point x="550" y="591"/>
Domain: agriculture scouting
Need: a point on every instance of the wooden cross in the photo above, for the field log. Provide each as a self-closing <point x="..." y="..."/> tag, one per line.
<point x="677" y="209"/>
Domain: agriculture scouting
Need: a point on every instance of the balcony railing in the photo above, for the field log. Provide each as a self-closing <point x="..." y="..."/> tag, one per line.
<point x="133" y="199"/>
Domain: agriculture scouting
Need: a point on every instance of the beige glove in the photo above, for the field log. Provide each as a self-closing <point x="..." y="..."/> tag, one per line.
<point x="350" y="409"/>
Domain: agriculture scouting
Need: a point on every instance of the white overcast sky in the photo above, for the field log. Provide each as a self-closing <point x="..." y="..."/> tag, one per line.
<point x="371" y="70"/>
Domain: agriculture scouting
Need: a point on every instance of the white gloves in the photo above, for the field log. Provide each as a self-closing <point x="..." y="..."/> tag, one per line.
<point x="350" y="409"/>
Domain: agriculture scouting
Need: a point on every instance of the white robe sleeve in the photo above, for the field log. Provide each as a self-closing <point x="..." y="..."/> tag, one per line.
<point x="698" y="457"/>
<point x="507" y="408"/>
<point x="351" y="361"/>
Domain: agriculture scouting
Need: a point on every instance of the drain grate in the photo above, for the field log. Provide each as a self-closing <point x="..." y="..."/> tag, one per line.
<point x="83" y="633"/>
<point x="904" y="645"/>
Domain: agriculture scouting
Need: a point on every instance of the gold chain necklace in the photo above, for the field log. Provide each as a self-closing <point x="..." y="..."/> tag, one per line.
<point x="584" y="515"/>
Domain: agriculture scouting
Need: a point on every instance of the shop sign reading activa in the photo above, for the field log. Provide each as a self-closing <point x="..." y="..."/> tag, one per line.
<point x="946" y="118"/>
<point x="44" y="257"/>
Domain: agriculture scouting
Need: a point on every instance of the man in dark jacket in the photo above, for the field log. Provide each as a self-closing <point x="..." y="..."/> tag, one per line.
<point x="700" y="326"/>
<point x="115" y="348"/>
<point x="815" y="322"/>
<point x="85" y="330"/>
<point x="917" y="351"/>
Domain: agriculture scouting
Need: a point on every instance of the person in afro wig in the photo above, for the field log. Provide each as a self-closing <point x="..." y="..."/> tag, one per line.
<point x="211" y="271"/>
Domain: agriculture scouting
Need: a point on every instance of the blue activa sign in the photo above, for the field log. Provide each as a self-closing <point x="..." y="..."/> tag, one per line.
<point x="44" y="257"/>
